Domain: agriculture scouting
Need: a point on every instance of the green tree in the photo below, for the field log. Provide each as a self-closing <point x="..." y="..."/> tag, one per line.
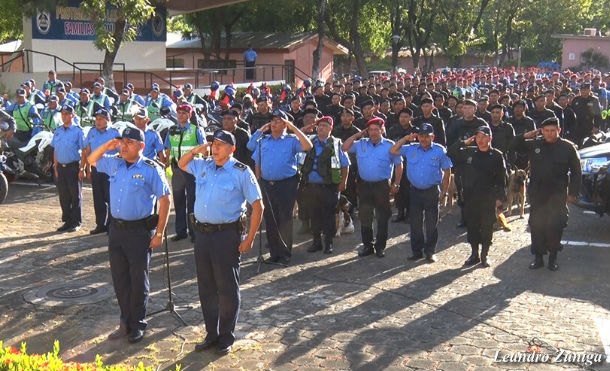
<point x="11" y="23"/>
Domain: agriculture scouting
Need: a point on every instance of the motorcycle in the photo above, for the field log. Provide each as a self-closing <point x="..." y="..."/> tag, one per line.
<point x="3" y="168"/>
<point x="32" y="161"/>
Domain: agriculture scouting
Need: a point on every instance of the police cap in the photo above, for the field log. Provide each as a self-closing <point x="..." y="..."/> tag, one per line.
<point x="224" y="136"/>
<point x="425" y="128"/>
<point x="132" y="132"/>
<point x="484" y="129"/>
<point x="551" y="121"/>
<point x="102" y="112"/>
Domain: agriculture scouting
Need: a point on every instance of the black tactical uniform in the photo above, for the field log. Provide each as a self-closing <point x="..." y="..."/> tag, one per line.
<point x="587" y="111"/>
<point x="521" y="126"/>
<point x="438" y="125"/>
<point x="401" y="199"/>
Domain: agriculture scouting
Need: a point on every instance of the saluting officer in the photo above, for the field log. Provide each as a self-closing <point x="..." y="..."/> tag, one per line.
<point x="484" y="182"/>
<point x="555" y="168"/>
<point x="275" y="157"/>
<point x="97" y="136"/>
<point x="429" y="171"/>
<point x="181" y="139"/>
<point x="153" y="148"/>
<point x="375" y="165"/>
<point x="136" y="184"/>
<point x="68" y="142"/>
<point x="324" y="175"/>
<point x="224" y="185"/>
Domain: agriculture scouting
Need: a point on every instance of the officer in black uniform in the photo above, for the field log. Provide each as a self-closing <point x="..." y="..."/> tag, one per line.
<point x="224" y="185"/>
<point x="242" y="153"/>
<point x="324" y="176"/>
<point x="136" y="185"/>
<point x="484" y="189"/>
<point x="502" y="132"/>
<point x="343" y="131"/>
<point x="555" y="168"/>
<point x="262" y="115"/>
<point x="540" y="112"/>
<point x="427" y="105"/>
<point x="588" y="111"/>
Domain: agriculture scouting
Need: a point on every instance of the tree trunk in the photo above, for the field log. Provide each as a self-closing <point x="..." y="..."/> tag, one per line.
<point x="317" y="54"/>
<point x="355" y="36"/>
<point x="110" y="55"/>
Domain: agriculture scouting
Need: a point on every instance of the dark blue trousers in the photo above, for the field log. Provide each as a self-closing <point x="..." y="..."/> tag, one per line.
<point x="374" y="198"/>
<point x="424" y="220"/>
<point x="101" y="197"/>
<point x="70" y="190"/>
<point x="278" y="199"/>
<point x="322" y="201"/>
<point x="217" y="259"/>
<point x="183" y="191"/>
<point x="129" y="254"/>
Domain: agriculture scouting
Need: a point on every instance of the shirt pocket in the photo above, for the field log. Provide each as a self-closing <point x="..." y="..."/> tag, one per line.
<point x="227" y="192"/>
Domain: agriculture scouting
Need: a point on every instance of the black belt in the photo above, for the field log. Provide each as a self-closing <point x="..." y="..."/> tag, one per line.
<point x="69" y="164"/>
<point x="424" y="189"/>
<point x="209" y="228"/>
<point x="385" y="181"/>
<point x="272" y="182"/>
<point x="321" y="185"/>
<point x="149" y="223"/>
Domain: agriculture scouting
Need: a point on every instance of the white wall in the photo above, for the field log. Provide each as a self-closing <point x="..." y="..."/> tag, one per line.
<point x="142" y="55"/>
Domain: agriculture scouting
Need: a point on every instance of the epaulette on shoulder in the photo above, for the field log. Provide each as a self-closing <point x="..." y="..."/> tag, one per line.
<point x="150" y="163"/>
<point x="240" y="166"/>
<point x="290" y="135"/>
<point x="117" y="156"/>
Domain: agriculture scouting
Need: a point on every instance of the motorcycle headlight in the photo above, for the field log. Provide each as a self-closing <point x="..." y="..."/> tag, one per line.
<point x="593" y="164"/>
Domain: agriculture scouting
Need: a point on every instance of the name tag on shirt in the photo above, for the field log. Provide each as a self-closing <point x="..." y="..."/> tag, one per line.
<point x="137" y="176"/>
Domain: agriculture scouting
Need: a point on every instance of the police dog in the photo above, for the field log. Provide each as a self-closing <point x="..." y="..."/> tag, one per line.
<point x="343" y="220"/>
<point x="516" y="191"/>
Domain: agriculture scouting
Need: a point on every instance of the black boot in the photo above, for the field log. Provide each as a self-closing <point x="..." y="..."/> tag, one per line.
<point x="316" y="245"/>
<point x="399" y="217"/>
<point x="474" y="256"/>
<point x="484" y="252"/>
<point x="328" y="247"/>
<point x="366" y="251"/>
<point x="553" y="261"/>
<point x="538" y="262"/>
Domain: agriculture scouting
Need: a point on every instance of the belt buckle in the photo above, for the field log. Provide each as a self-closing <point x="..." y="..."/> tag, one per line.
<point x="271" y="183"/>
<point x="64" y="165"/>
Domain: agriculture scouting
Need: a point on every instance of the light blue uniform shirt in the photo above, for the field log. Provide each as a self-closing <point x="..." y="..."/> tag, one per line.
<point x="95" y="138"/>
<point x="424" y="168"/>
<point x="221" y="193"/>
<point x="133" y="190"/>
<point x="314" y="176"/>
<point x="250" y="55"/>
<point x="152" y="144"/>
<point x="375" y="162"/>
<point x="68" y="143"/>
<point x="278" y="157"/>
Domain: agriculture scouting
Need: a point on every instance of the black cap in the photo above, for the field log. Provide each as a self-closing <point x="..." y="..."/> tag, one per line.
<point x="125" y="91"/>
<point x="61" y="89"/>
<point x="554" y="121"/>
<point x="20" y="92"/>
<point x="67" y="108"/>
<point x="470" y="102"/>
<point x="484" y="129"/>
<point x="188" y="86"/>
<point x="261" y="98"/>
<point x="279" y="113"/>
<point x="425" y="128"/>
<point x="97" y="85"/>
<point x="132" y="132"/>
<point x="224" y="136"/>
<point x="585" y="85"/>
<point x="142" y="112"/>
<point x="155" y="87"/>
<point x="129" y="86"/>
<point x="238" y="105"/>
<point x="102" y="112"/>
<point x="53" y="98"/>
<point x="84" y="90"/>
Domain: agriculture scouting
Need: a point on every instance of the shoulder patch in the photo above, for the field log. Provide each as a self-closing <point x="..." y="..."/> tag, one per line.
<point x="150" y="162"/>
<point x="240" y="166"/>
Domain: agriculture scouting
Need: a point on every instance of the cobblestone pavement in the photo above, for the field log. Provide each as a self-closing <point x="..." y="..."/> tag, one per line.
<point x="336" y="312"/>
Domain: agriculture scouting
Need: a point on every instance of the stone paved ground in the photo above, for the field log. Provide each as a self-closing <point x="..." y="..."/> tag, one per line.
<point x="321" y="313"/>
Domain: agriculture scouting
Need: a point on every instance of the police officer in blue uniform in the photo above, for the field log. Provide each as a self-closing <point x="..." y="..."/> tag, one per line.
<point x="324" y="176"/>
<point x="97" y="136"/>
<point x="153" y="148"/>
<point x="429" y="171"/>
<point x="375" y="166"/>
<point x="224" y="185"/>
<point x="276" y="168"/>
<point x="136" y="184"/>
<point x="181" y="139"/>
<point x="68" y="142"/>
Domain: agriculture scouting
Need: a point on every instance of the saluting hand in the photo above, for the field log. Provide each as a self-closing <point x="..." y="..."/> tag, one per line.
<point x="204" y="149"/>
<point x="469" y="141"/>
<point x="265" y="127"/>
<point x="531" y="134"/>
<point x="411" y="137"/>
<point x="113" y="144"/>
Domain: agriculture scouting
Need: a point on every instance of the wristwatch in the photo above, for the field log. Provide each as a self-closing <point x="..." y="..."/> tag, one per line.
<point x="395" y="185"/>
<point x="159" y="234"/>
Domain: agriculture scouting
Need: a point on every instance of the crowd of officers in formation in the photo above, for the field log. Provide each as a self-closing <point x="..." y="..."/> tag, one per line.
<point x="362" y="139"/>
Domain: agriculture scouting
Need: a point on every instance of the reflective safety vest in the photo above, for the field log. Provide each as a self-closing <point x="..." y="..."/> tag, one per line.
<point x="182" y="141"/>
<point x="20" y="114"/>
<point x="126" y="109"/>
<point x="51" y="119"/>
<point x="329" y="163"/>
<point x="85" y="114"/>
<point x="154" y="106"/>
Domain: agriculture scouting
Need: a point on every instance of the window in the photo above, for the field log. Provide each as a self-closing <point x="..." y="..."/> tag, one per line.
<point x="171" y="62"/>
<point x="220" y="65"/>
<point x="571" y="56"/>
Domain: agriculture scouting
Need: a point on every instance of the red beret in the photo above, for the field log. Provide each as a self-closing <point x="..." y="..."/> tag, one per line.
<point x="375" y="121"/>
<point x="326" y="119"/>
<point x="185" y="107"/>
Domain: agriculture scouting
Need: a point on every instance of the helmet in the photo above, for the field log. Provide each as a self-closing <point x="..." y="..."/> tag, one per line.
<point x="230" y="90"/>
<point x="215" y="85"/>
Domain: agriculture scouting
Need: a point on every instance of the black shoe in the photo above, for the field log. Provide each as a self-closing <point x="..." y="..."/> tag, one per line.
<point x="398" y="218"/>
<point x="328" y="248"/>
<point x="415" y="257"/>
<point x="206" y="344"/>
<point x="283" y="261"/>
<point x="271" y="260"/>
<point x="221" y="351"/>
<point x="366" y="251"/>
<point x="380" y="253"/>
<point x="98" y="230"/>
<point x="485" y="263"/>
<point x="135" y="336"/>
<point x="553" y="262"/>
<point x="73" y="228"/>
<point x="63" y="228"/>
<point x="179" y="237"/>
<point x="431" y="258"/>
<point x="538" y="262"/>
<point x="316" y="246"/>
<point x="461" y="224"/>
<point x="121" y="332"/>
<point x="472" y="260"/>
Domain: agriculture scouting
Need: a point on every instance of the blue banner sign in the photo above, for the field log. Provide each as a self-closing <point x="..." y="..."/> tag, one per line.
<point x="70" y="23"/>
